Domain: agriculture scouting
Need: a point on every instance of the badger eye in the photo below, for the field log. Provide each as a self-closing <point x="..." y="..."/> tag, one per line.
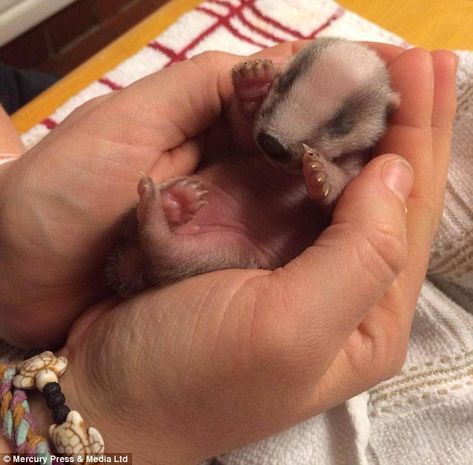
<point x="272" y="147"/>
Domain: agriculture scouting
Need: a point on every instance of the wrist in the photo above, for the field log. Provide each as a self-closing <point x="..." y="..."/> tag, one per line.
<point x="43" y="416"/>
<point x="126" y="429"/>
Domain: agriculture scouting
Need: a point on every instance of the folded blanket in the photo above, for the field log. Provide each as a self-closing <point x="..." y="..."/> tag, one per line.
<point x="425" y="414"/>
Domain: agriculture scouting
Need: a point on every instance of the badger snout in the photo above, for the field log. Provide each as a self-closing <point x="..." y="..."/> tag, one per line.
<point x="273" y="148"/>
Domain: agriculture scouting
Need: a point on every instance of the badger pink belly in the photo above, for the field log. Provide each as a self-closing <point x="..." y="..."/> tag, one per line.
<point x="238" y="213"/>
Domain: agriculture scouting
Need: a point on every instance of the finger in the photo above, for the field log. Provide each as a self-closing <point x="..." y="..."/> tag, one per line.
<point x="181" y="161"/>
<point x="352" y="371"/>
<point x="387" y="52"/>
<point x="444" y="108"/>
<point x="197" y="91"/>
<point x="186" y="98"/>
<point x="445" y="67"/>
<point x="410" y="135"/>
<point x="319" y="298"/>
<point x="282" y="52"/>
<point x="389" y="347"/>
<point x="87" y="107"/>
<point x="409" y="131"/>
<point x="412" y="76"/>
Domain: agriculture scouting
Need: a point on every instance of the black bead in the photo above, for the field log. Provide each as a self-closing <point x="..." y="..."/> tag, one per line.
<point x="51" y="388"/>
<point x="60" y="414"/>
<point x="55" y="400"/>
<point x="32" y="353"/>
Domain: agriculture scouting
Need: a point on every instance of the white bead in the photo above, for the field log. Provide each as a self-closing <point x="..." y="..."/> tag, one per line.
<point x="28" y="369"/>
<point x="73" y="436"/>
<point x="44" y="377"/>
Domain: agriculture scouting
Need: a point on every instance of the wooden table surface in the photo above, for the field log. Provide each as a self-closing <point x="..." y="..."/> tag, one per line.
<point x="427" y="23"/>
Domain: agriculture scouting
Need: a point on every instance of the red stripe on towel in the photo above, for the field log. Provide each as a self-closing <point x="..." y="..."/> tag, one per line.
<point x="179" y="56"/>
<point x="258" y="30"/>
<point x="273" y="22"/>
<point x="257" y="12"/>
<point x="246" y="22"/>
<point x="109" y="83"/>
<point x="338" y="13"/>
<point x="182" y="54"/>
<point x="225" y="21"/>
<point x="171" y="54"/>
<point x="49" y="123"/>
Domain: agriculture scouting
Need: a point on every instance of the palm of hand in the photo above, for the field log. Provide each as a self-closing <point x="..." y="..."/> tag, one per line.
<point x="64" y="197"/>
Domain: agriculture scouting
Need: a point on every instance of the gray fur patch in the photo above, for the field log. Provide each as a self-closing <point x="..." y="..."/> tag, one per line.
<point x="301" y="63"/>
<point x="361" y="106"/>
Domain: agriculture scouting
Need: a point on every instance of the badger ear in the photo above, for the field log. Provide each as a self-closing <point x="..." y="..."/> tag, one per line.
<point x="394" y="102"/>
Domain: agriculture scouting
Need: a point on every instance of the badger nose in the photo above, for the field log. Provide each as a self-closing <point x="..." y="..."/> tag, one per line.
<point x="272" y="147"/>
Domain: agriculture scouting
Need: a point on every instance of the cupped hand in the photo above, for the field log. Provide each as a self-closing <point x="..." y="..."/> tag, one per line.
<point x="225" y="358"/>
<point x="61" y="202"/>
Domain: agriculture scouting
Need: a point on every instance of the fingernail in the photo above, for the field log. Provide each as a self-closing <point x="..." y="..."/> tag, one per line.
<point x="398" y="176"/>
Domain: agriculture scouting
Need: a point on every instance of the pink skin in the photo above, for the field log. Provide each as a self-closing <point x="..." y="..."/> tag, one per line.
<point x="242" y="212"/>
<point x="181" y="198"/>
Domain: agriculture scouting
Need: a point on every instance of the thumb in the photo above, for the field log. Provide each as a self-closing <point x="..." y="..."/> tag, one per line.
<point x="322" y="295"/>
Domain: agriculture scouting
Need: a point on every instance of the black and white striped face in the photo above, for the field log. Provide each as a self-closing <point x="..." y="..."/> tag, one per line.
<point x="333" y="96"/>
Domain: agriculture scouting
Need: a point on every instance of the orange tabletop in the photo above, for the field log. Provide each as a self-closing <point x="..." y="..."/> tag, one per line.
<point x="427" y="23"/>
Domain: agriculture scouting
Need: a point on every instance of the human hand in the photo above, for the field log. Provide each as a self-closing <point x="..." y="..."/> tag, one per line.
<point x="225" y="358"/>
<point x="61" y="202"/>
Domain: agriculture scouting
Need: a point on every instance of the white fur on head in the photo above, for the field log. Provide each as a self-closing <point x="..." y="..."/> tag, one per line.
<point x="334" y="96"/>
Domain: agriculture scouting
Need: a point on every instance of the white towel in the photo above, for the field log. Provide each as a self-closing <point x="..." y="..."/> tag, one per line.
<point x="425" y="414"/>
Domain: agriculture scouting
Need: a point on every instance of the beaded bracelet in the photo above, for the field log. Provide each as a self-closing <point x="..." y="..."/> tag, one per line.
<point x="69" y="434"/>
<point x="18" y="424"/>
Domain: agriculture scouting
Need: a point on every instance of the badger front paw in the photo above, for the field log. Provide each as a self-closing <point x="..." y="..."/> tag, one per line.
<point x="315" y="174"/>
<point x="252" y="80"/>
<point x="325" y="181"/>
